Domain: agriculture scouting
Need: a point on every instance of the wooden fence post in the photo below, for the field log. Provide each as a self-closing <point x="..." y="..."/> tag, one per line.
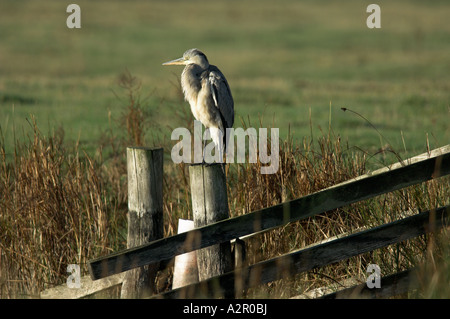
<point x="145" y="214"/>
<point x="210" y="205"/>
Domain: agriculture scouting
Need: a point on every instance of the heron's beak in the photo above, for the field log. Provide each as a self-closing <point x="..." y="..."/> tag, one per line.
<point x="180" y="61"/>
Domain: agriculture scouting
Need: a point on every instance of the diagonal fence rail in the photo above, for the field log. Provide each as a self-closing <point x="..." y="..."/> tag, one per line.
<point x="262" y="220"/>
<point x="319" y="255"/>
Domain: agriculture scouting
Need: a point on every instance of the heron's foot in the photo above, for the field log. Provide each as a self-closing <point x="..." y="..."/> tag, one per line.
<point x="199" y="163"/>
<point x="210" y="164"/>
<point x="203" y="162"/>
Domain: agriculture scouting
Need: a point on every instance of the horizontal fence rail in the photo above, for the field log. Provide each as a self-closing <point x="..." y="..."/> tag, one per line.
<point x="87" y="287"/>
<point x="272" y="217"/>
<point x="392" y="285"/>
<point x="318" y="256"/>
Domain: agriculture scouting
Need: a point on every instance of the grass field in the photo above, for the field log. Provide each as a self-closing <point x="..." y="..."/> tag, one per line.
<point x="284" y="60"/>
<point x="290" y="64"/>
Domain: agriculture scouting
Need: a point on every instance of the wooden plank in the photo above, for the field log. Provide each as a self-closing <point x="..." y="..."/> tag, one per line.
<point x="329" y="289"/>
<point x="321" y="255"/>
<point x="145" y="214"/>
<point x="274" y="216"/>
<point x="87" y="287"/>
<point x="392" y="285"/>
<point x="432" y="154"/>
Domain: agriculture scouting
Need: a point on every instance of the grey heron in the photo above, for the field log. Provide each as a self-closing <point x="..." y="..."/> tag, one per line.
<point x="209" y="95"/>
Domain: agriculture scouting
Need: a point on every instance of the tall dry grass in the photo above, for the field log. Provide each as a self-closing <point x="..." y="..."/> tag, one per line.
<point x="313" y="165"/>
<point x="60" y="206"/>
<point x="55" y="210"/>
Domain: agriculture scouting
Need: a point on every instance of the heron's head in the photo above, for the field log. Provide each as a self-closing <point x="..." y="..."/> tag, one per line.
<point x="191" y="56"/>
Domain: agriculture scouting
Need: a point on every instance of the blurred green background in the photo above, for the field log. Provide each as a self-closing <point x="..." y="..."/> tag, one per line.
<point x="291" y="63"/>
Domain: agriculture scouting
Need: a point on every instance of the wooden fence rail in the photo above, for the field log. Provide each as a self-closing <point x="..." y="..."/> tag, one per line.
<point x="437" y="165"/>
<point x="392" y="285"/>
<point x="319" y="255"/>
<point x="262" y="220"/>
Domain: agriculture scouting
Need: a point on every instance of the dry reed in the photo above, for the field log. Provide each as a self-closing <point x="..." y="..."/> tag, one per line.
<point x="59" y="207"/>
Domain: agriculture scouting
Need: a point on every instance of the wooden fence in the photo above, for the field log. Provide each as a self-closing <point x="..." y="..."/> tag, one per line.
<point x="410" y="172"/>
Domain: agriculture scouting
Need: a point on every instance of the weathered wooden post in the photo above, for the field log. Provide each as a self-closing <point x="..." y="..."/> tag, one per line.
<point x="210" y="205"/>
<point x="145" y="214"/>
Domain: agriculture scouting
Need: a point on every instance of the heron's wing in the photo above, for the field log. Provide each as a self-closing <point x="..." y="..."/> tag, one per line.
<point x="221" y="95"/>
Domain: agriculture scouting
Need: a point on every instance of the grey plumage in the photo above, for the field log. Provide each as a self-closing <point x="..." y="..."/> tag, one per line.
<point x="208" y="93"/>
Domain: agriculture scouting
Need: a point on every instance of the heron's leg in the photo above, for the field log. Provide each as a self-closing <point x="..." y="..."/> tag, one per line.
<point x="204" y="143"/>
<point x="217" y="136"/>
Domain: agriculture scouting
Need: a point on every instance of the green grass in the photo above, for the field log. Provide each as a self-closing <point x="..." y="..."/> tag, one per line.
<point x="283" y="61"/>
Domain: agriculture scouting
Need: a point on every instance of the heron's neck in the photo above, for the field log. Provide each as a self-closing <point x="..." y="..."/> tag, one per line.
<point x="191" y="82"/>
